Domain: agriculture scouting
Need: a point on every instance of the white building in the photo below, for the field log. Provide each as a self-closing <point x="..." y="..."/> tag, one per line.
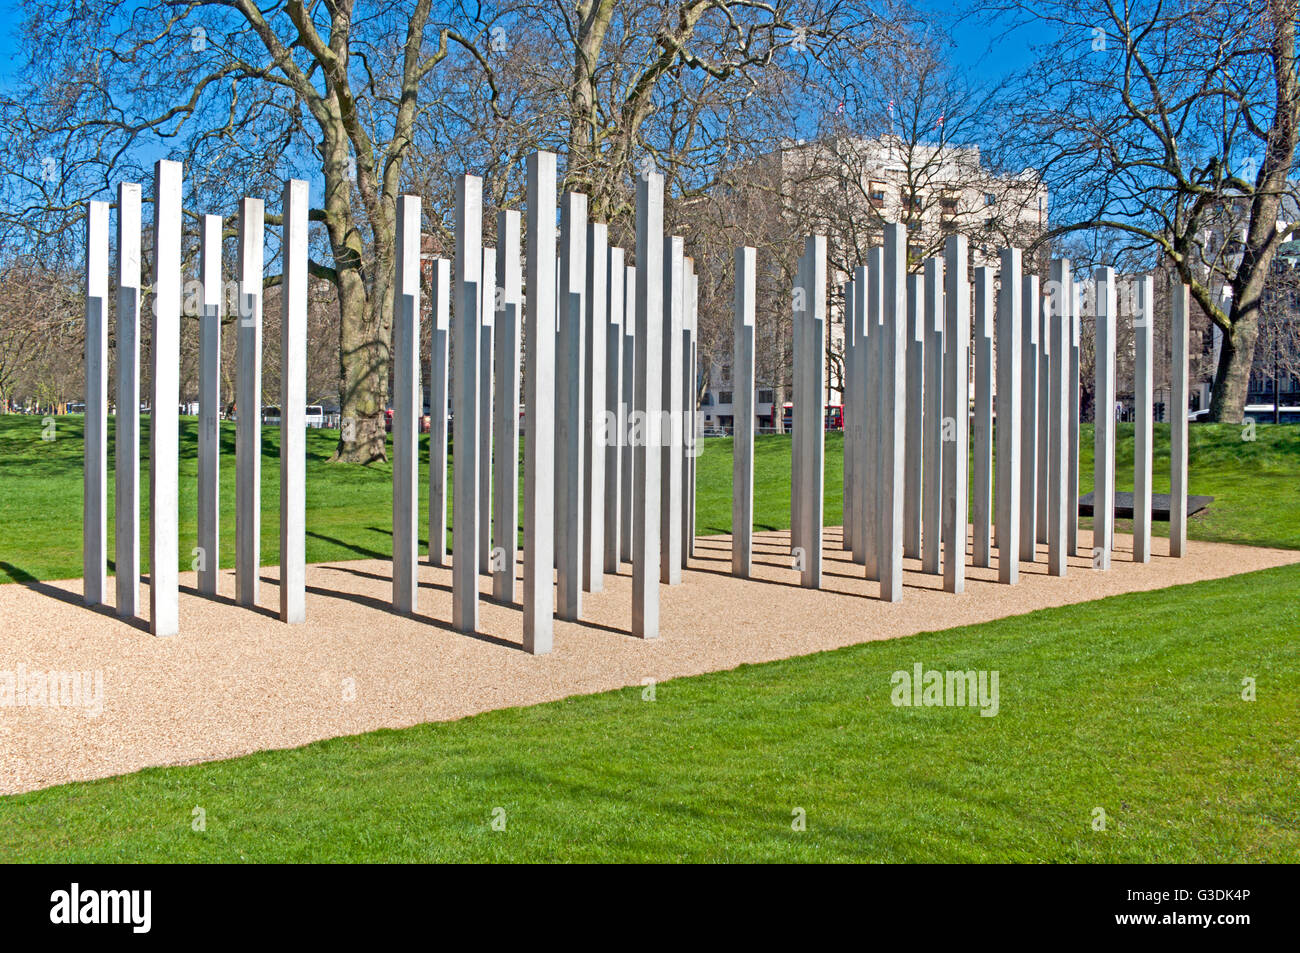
<point x="848" y="188"/>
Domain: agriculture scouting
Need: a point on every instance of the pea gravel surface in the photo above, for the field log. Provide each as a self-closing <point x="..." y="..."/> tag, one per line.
<point x="237" y="680"/>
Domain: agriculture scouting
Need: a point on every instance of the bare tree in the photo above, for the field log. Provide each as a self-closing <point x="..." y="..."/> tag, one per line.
<point x="1155" y="124"/>
<point x="245" y="93"/>
<point x="40" y="324"/>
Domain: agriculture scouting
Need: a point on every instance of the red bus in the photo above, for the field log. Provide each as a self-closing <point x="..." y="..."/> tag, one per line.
<point x="833" y="419"/>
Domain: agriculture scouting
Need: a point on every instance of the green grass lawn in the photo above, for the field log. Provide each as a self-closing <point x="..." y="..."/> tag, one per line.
<point x="349" y="508"/>
<point x="1131" y="704"/>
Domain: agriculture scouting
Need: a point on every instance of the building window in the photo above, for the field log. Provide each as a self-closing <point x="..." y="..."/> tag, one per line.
<point x="726" y="373"/>
<point x="948" y="205"/>
<point x="876" y="194"/>
<point x="910" y="199"/>
<point x="724" y="397"/>
<point x="990" y="198"/>
<point x="765" y="396"/>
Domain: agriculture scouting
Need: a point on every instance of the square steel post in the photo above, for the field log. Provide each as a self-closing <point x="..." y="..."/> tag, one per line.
<point x="293" y="401"/>
<point x="487" y="321"/>
<point x="914" y="416"/>
<point x="1074" y="297"/>
<point x="209" y="460"/>
<point x="539" y="407"/>
<point x="798" y="299"/>
<point x="1103" y="463"/>
<point x="864" y="455"/>
<point x="1144" y="417"/>
<point x="1009" y="369"/>
<point x="165" y="363"/>
<point x="569" y="419"/>
<point x="892" y="409"/>
<point x="126" y="440"/>
<point x="956" y="412"/>
<point x="690" y="446"/>
<point x="813" y="463"/>
<point x="1057" y="315"/>
<point x="848" y="480"/>
<point x="505" y="421"/>
<point x="628" y="386"/>
<point x="95" y="443"/>
<point x="594" y="439"/>
<point x="670" y="464"/>
<point x="1044" y="416"/>
<point x="466" y="417"/>
<point x="647" y="439"/>
<point x="439" y="339"/>
<point x="1029" y="412"/>
<point x="407" y="403"/>
<point x="1178" y="423"/>
<point x="982" y="490"/>
<point x="615" y="426"/>
<point x="742" y="370"/>
<point x="248" y="405"/>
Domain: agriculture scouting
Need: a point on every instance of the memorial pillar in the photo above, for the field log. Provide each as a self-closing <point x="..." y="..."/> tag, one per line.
<point x="95" y="421"/>
<point x="539" y="407"/>
<point x="164" y="403"/>
<point x="126" y="443"/>
<point x="466" y="419"/>
<point x="293" y="399"/>
<point x="209" y="452"/>
<point x="649" y="394"/>
<point x="956" y="412"/>
<point x="1103" y="478"/>
<point x="982" y="490"/>
<point x="505" y="480"/>
<point x="1178" y="423"/>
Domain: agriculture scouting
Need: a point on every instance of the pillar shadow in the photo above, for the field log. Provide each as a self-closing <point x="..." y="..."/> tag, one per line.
<point x="359" y="550"/>
<point x="234" y="603"/>
<point x="765" y="582"/>
<point x="361" y="573"/>
<point x="588" y="624"/>
<point x="69" y="596"/>
<point x="380" y="605"/>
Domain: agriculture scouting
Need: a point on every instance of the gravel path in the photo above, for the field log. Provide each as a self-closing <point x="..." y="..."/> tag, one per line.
<point x="237" y="680"/>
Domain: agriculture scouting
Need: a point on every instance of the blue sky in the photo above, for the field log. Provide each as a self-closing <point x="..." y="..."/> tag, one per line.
<point x="10" y="22"/>
<point x="971" y="50"/>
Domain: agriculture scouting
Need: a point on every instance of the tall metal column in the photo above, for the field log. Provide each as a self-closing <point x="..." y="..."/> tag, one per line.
<point x="539" y="407"/>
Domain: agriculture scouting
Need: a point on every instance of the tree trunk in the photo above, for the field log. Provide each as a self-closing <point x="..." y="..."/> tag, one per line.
<point x="1232" y="378"/>
<point x="363" y="333"/>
